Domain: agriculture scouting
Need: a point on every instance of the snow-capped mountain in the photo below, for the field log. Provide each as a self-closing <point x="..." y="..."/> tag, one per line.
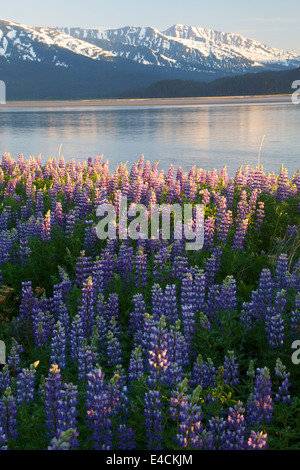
<point x="188" y="48"/>
<point x="27" y="43"/>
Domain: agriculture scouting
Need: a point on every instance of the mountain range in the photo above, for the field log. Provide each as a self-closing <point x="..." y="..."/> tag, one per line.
<point x="77" y="63"/>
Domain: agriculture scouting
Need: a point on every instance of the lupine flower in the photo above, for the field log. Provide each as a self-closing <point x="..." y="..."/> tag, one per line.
<point x="231" y="369"/>
<point x="153" y="420"/>
<point x="8" y="414"/>
<point x="260" y="403"/>
<point x="25" y="390"/>
<point x="283" y="392"/>
<point x="257" y="441"/>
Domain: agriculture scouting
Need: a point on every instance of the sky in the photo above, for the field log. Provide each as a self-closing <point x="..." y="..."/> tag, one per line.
<point x="275" y="23"/>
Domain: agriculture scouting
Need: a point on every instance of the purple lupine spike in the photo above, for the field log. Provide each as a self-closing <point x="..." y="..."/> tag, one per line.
<point x="231" y="369"/>
<point x="125" y="261"/>
<point x="235" y="434"/>
<point x="153" y="419"/>
<point x="8" y="414"/>
<point x="84" y="269"/>
<point x="53" y="395"/>
<point x="188" y="318"/>
<point x="13" y="358"/>
<point x="59" y="346"/>
<point x="136" y="318"/>
<point x="25" y="389"/>
<point x="157" y="353"/>
<point x="169" y="307"/>
<point x="204" y="373"/>
<point x="141" y="268"/>
<point x="86" y="361"/>
<point x="282" y="279"/>
<point x="283" y="391"/>
<point x="260" y="404"/>
<point x="157" y="301"/>
<point x="274" y="326"/>
<point x="190" y="425"/>
<point x="77" y="335"/>
<point x="257" y="441"/>
<point x="86" y="309"/>
<point x="136" y="365"/>
<point x="125" y="437"/>
<point x="239" y="237"/>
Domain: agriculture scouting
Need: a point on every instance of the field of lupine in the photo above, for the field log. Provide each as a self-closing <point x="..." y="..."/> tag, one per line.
<point x="140" y="344"/>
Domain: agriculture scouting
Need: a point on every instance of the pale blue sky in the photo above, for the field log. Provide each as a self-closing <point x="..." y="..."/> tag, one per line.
<point x="275" y="23"/>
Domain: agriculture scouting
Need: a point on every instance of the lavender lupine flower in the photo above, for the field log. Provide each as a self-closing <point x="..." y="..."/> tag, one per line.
<point x="180" y="267"/>
<point x="211" y="270"/>
<point x="260" y="404"/>
<point x="157" y="353"/>
<point x="136" y="365"/>
<point x="67" y="412"/>
<point x="178" y="396"/>
<point x="216" y="428"/>
<point x="295" y="318"/>
<point x="235" y="434"/>
<point x="99" y="416"/>
<point x="157" y="301"/>
<point x="257" y="441"/>
<point x="209" y="231"/>
<point x="5" y="379"/>
<point x="260" y="215"/>
<point x="84" y="269"/>
<point x="125" y="437"/>
<point x="59" y="347"/>
<point x="160" y="266"/>
<point x="8" y="414"/>
<point x="77" y="336"/>
<point x="141" y="268"/>
<point x="42" y="326"/>
<point x="13" y="358"/>
<point x="136" y="318"/>
<point x="224" y="228"/>
<point x="177" y="348"/>
<point x="204" y="373"/>
<point x="28" y="301"/>
<point x="274" y="326"/>
<point x="114" y="352"/>
<point x="283" y="391"/>
<point x="282" y="279"/>
<point x="125" y="261"/>
<point x="86" y="309"/>
<point x="169" y="307"/>
<point x="190" y="425"/>
<point x="53" y="394"/>
<point x="25" y="389"/>
<point x="239" y="237"/>
<point x="188" y="295"/>
<point x="86" y="361"/>
<point x="188" y="318"/>
<point x="228" y="294"/>
<point x="3" y="439"/>
<point x="153" y="419"/>
<point x="231" y="369"/>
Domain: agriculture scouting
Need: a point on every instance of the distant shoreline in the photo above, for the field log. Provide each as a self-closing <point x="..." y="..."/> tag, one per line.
<point x="206" y="101"/>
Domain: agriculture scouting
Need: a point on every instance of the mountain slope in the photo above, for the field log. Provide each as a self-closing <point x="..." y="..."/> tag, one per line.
<point x="188" y="48"/>
<point x="61" y="63"/>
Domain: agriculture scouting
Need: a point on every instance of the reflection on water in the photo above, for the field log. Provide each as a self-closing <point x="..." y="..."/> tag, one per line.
<point x="208" y="136"/>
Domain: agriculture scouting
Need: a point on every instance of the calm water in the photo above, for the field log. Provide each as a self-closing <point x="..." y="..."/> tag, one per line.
<point x="208" y="136"/>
